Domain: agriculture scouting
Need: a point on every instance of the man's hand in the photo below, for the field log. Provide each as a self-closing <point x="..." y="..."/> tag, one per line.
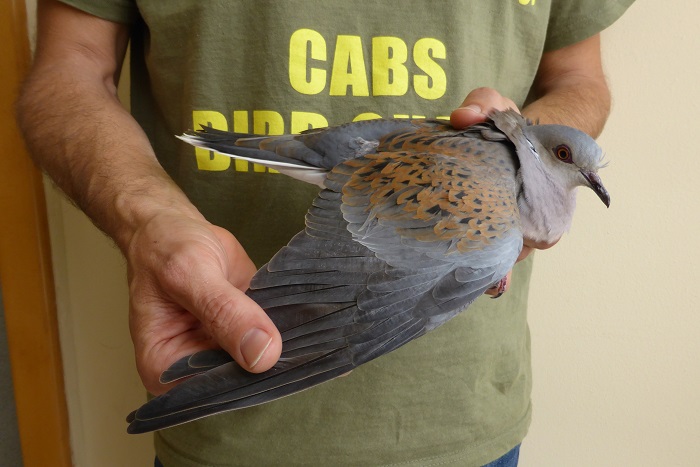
<point x="186" y="276"/>
<point x="478" y="105"/>
<point x="186" y="283"/>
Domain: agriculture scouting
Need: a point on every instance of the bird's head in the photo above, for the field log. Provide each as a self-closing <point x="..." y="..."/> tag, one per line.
<point x="570" y="155"/>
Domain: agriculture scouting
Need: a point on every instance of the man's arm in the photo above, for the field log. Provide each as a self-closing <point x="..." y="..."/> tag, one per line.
<point x="185" y="275"/>
<point x="569" y="89"/>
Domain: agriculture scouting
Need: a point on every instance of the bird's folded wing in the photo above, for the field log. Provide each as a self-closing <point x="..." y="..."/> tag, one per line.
<point x="394" y="246"/>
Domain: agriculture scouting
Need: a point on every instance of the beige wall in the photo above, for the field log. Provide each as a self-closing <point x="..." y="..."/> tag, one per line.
<point x="614" y="310"/>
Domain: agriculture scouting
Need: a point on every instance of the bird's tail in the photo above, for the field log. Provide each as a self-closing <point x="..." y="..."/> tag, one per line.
<point x="282" y="153"/>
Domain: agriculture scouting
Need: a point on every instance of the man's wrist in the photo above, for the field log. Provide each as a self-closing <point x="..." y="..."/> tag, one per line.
<point x="139" y="204"/>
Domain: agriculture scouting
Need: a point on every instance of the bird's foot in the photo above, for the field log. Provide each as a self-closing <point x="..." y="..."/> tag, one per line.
<point x="500" y="288"/>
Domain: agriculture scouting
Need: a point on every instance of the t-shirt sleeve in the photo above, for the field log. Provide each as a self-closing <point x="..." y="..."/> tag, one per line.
<point x="118" y="11"/>
<point x="572" y="21"/>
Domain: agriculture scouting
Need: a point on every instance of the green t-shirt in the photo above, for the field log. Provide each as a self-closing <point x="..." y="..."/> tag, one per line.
<point x="461" y="394"/>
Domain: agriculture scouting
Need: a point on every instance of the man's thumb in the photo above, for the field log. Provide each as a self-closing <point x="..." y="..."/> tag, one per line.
<point x="241" y="328"/>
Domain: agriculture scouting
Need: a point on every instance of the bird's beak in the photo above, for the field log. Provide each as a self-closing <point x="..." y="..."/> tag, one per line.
<point x="596" y="185"/>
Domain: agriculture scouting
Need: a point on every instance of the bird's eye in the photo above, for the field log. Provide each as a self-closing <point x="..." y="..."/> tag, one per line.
<point x="563" y="153"/>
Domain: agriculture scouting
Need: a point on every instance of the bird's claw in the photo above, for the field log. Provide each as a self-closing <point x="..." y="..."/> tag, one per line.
<point x="500" y="288"/>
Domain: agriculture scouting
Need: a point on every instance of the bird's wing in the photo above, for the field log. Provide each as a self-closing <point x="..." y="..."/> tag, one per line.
<point x="398" y="243"/>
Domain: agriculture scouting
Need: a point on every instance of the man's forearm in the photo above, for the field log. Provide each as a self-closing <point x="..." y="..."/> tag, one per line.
<point x="78" y="132"/>
<point x="582" y="104"/>
<point x="570" y="88"/>
<point x="97" y="154"/>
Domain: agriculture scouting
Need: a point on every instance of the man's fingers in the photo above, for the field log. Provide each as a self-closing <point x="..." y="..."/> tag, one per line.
<point x="467" y="115"/>
<point x="238" y="325"/>
<point x="478" y="105"/>
<point x="217" y="315"/>
<point x="524" y="253"/>
<point x="538" y="245"/>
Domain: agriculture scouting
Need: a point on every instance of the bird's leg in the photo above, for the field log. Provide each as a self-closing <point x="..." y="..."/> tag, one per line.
<point x="500" y="288"/>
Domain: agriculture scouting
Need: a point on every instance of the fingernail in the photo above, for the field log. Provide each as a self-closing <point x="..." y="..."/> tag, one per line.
<point x="473" y="108"/>
<point x="253" y="346"/>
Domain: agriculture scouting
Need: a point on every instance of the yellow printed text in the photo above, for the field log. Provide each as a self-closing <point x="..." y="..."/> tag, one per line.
<point x="263" y="122"/>
<point x="393" y="71"/>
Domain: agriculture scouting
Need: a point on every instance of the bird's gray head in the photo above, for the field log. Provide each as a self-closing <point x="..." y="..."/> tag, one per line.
<point x="570" y="155"/>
